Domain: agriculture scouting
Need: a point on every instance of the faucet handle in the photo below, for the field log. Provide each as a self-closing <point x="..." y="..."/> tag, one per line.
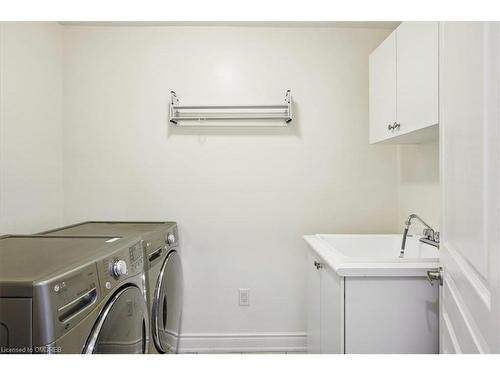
<point x="429" y="233"/>
<point x="436" y="237"/>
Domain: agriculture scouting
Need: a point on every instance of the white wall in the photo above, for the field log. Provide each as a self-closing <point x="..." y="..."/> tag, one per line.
<point x="418" y="189"/>
<point x="31" y="188"/>
<point x="242" y="199"/>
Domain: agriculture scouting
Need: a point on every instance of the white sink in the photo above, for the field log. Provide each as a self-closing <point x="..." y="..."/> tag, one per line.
<point x="374" y="254"/>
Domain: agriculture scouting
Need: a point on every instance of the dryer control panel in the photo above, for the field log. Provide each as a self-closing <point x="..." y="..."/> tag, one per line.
<point x="172" y="237"/>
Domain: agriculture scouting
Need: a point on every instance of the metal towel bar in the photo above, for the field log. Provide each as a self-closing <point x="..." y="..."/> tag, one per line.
<point x="206" y="113"/>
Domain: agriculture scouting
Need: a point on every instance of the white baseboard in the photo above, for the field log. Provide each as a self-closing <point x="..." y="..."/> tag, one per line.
<point x="266" y="342"/>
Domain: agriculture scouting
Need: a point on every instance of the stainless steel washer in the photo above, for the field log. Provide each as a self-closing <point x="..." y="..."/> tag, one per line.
<point x="72" y="295"/>
<point x="164" y="278"/>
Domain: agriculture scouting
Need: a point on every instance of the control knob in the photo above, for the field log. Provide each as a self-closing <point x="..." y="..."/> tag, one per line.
<point x="119" y="268"/>
<point x="171" y="239"/>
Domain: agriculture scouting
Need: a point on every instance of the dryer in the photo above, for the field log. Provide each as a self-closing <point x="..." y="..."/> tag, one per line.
<point x="72" y="295"/>
<point x="164" y="277"/>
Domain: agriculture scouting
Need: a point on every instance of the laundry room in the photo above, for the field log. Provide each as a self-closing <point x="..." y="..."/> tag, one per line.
<point x="249" y="187"/>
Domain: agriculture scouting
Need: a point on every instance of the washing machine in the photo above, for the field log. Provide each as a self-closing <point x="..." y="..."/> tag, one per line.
<point x="72" y="295"/>
<point x="164" y="278"/>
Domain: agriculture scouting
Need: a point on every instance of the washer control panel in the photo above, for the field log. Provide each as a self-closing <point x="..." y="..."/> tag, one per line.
<point x="119" y="268"/>
<point x="66" y="300"/>
<point x="120" y="265"/>
<point x="136" y="258"/>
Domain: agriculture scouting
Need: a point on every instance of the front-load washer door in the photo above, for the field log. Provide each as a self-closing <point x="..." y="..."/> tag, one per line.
<point x="167" y="305"/>
<point x="122" y="327"/>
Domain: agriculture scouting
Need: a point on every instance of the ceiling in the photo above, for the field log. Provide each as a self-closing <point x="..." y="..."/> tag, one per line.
<point x="308" y="24"/>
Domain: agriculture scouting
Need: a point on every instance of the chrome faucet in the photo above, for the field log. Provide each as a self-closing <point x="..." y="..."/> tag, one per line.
<point x="430" y="236"/>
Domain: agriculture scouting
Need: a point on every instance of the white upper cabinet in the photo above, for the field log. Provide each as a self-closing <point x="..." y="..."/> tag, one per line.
<point x="404" y="85"/>
<point x="382" y="89"/>
<point x="417" y="75"/>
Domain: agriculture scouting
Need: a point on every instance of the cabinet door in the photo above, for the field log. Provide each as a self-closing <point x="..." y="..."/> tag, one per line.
<point x="382" y="90"/>
<point x="313" y="307"/>
<point x="470" y="176"/>
<point x="332" y="312"/>
<point x="417" y="75"/>
<point x="391" y="315"/>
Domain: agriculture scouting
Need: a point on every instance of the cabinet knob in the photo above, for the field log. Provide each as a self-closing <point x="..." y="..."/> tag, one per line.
<point x="318" y="265"/>
<point x="395" y="125"/>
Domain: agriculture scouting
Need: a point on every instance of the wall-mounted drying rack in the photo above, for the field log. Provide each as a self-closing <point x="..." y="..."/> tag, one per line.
<point x="188" y="115"/>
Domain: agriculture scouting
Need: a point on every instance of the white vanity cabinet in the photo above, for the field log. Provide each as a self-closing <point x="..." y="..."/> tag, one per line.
<point x="403" y="85"/>
<point x="363" y="298"/>
<point x="314" y="306"/>
<point x="325" y="313"/>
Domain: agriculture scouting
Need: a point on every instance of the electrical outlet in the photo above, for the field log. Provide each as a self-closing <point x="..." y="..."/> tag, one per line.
<point x="244" y="297"/>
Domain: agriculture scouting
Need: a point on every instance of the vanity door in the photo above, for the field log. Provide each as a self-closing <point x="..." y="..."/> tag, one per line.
<point x="313" y="305"/>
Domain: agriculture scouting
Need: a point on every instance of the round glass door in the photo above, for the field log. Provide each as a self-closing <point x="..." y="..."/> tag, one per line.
<point x="122" y="325"/>
<point x="167" y="305"/>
